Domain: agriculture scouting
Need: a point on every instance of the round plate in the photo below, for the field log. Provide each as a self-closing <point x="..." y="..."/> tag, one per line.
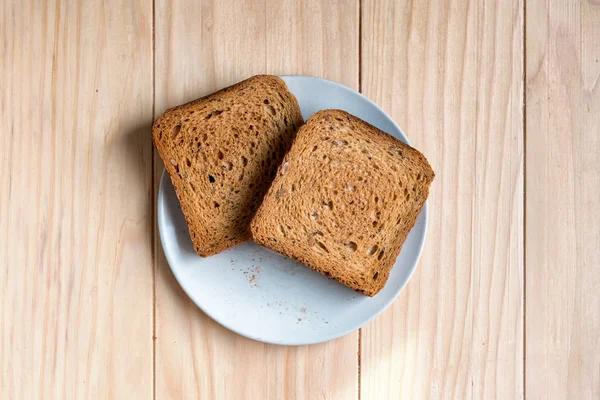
<point x="268" y="297"/>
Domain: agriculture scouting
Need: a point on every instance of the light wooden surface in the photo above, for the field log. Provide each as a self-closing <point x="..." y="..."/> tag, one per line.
<point x="563" y="200"/>
<point x="76" y="200"/>
<point x="503" y="97"/>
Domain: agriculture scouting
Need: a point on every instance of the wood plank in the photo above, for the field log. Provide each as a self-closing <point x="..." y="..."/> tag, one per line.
<point x="200" y="48"/>
<point x="75" y="211"/>
<point x="450" y="73"/>
<point x="563" y="200"/>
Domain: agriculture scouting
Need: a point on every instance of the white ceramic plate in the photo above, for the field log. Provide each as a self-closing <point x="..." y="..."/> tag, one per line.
<point x="268" y="297"/>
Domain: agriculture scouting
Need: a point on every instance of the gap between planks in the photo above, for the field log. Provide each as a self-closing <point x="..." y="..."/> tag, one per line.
<point x="524" y="226"/>
<point x="359" y="341"/>
<point x="153" y="205"/>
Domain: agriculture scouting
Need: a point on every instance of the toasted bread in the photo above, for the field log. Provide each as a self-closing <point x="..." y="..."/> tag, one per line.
<point x="344" y="199"/>
<point x="221" y="153"/>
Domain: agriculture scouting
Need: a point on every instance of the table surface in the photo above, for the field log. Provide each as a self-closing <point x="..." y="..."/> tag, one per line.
<point x="503" y="97"/>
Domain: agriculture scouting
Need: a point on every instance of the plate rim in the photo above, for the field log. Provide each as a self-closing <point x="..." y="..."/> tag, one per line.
<point x="421" y="244"/>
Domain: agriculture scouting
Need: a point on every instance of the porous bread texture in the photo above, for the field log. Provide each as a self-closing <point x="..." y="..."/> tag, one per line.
<point x="344" y="199"/>
<point x="221" y="153"/>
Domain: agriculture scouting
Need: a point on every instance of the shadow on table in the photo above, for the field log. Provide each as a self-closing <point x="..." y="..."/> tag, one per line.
<point x="136" y="142"/>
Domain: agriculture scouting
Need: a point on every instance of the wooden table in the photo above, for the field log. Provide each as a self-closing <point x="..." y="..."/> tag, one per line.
<point x="502" y="96"/>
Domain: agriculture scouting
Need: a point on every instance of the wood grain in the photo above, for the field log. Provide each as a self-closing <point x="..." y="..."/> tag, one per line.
<point x="450" y="74"/>
<point x="201" y="47"/>
<point x="563" y="200"/>
<point x="75" y="205"/>
<point x="504" y="303"/>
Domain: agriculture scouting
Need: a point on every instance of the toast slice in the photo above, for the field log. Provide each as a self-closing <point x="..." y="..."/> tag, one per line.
<point x="344" y="199"/>
<point x="221" y="153"/>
